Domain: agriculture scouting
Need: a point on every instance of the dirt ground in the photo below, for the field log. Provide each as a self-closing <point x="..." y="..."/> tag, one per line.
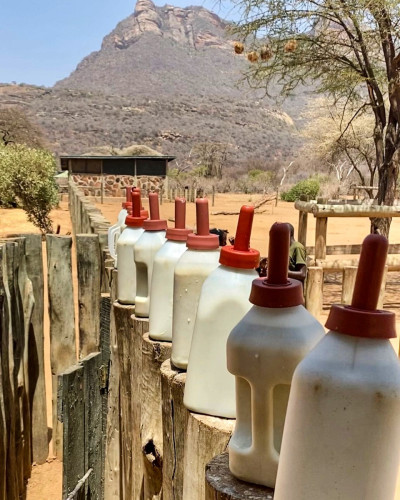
<point x="46" y="479"/>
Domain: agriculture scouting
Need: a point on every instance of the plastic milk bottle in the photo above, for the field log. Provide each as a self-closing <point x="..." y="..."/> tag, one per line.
<point x="224" y="300"/>
<point x="145" y="250"/>
<point x="263" y="351"/>
<point x="342" y="431"/>
<point x="115" y="230"/>
<point x="162" y="282"/>
<point x="199" y="260"/>
<point x="126" y="287"/>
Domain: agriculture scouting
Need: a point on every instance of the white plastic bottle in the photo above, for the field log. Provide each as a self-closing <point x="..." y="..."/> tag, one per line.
<point x="263" y="351"/>
<point x="115" y="230"/>
<point x="145" y="250"/>
<point x="199" y="260"/>
<point x="162" y="281"/>
<point x="126" y="287"/>
<point x="342" y="431"/>
<point x="224" y="300"/>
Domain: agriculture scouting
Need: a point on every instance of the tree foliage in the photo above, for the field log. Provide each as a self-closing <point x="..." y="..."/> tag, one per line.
<point x="16" y="128"/>
<point x="307" y="187"/>
<point x="348" y="50"/>
<point x="27" y="179"/>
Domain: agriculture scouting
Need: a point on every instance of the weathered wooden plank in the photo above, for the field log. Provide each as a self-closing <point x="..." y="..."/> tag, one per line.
<point x="62" y="318"/>
<point x="93" y="423"/>
<point x="3" y="394"/>
<point x="154" y="354"/>
<point x="343" y="210"/>
<point x="112" y="474"/>
<point x="37" y="389"/>
<point x="222" y="485"/>
<point x="71" y="392"/>
<point x="320" y="238"/>
<point x="350" y="249"/>
<point x="206" y="437"/>
<point x="302" y="230"/>
<point x="89" y="274"/>
<point x="105" y="314"/>
<point x="174" y="421"/>
<point x="314" y="288"/>
<point x="8" y="380"/>
<point x="124" y="333"/>
<point x="349" y="279"/>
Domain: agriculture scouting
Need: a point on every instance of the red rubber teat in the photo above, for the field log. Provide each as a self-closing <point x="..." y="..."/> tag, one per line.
<point x="203" y="239"/>
<point x="179" y="232"/>
<point x="362" y="319"/>
<point x="135" y="219"/>
<point x="240" y="255"/>
<point x="143" y="213"/>
<point x="277" y="290"/>
<point x="154" y="223"/>
<point x="128" y="201"/>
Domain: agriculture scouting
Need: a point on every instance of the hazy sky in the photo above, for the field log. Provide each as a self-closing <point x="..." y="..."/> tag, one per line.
<point x="42" y="41"/>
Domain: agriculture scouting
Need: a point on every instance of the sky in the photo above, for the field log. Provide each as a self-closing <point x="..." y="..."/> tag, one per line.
<point x="42" y="41"/>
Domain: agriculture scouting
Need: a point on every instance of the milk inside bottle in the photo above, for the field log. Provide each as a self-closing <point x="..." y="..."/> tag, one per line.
<point x="342" y="431"/>
<point x="224" y="300"/>
<point x="263" y="351"/>
<point x="115" y="230"/>
<point x="126" y="286"/>
<point x="199" y="260"/>
<point x="162" y="282"/>
<point x="145" y="250"/>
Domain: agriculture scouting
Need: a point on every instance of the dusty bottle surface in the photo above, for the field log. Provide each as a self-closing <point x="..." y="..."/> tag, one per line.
<point x="126" y="287"/>
<point x="116" y="229"/>
<point x="263" y="351"/>
<point x="210" y="388"/>
<point x="146" y="248"/>
<point x="342" y="432"/>
<point x="162" y="282"/>
<point x="199" y="260"/>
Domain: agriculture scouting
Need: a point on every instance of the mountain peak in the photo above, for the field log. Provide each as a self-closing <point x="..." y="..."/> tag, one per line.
<point x="195" y="27"/>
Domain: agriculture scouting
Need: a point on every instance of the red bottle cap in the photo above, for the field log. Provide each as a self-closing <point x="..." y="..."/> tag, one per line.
<point x="240" y="255"/>
<point x="277" y="290"/>
<point x="202" y="240"/>
<point x="135" y="219"/>
<point x="128" y="202"/>
<point x="154" y="223"/>
<point x="179" y="232"/>
<point x="361" y="318"/>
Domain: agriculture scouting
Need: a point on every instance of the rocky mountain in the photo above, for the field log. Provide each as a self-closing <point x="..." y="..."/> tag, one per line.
<point x="166" y="77"/>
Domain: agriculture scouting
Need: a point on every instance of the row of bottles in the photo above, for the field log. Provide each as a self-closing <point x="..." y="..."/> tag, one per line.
<point x="325" y="408"/>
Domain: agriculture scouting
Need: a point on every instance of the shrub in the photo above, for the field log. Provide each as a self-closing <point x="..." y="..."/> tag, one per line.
<point x="307" y="187"/>
<point x="27" y="179"/>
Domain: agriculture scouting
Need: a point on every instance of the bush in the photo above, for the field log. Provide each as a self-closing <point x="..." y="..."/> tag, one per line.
<point x="307" y="187"/>
<point x="27" y="179"/>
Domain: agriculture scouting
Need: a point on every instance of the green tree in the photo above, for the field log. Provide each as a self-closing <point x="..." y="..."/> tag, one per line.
<point x="348" y="50"/>
<point x="27" y="179"/>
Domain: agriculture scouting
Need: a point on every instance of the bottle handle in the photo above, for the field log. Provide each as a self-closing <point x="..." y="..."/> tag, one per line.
<point x="112" y="239"/>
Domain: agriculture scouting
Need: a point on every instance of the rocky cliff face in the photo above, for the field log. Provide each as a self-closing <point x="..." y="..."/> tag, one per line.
<point x="193" y="26"/>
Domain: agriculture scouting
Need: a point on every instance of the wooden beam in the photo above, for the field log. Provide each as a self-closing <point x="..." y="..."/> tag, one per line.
<point x="302" y="230"/>
<point x="349" y="279"/>
<point x="320" y="237"/>
<point x="314" y="289"/>
<point x="62" y="318"/>
<point x="89" y="276"/>
<point x="377" y="211"/>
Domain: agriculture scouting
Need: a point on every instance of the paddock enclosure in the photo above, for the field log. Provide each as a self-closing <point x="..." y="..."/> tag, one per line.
<point x="119" y="423"/>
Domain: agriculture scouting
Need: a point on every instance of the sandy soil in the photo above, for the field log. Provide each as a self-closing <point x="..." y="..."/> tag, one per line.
<point x="46" y="479"/>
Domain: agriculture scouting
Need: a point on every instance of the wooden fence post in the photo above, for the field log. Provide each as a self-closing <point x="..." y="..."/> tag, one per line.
<point x="314" y="290"/>
<point x="37" y="389"/>
<point x="320" y="237"/>
<point x="112" y="474"/>
<point x="222" y="485"/>
<point x="89" y="274"/>
<point x="349" y="279"/>
<point x="174" y="421"/>
<point x="205" y="437"/>
<point x="72" y="415"/>
<point x="154" y="353"/>
<point x="62" y="318"/>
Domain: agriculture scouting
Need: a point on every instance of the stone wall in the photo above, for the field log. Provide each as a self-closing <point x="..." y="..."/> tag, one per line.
<point x="114" y="185"/>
